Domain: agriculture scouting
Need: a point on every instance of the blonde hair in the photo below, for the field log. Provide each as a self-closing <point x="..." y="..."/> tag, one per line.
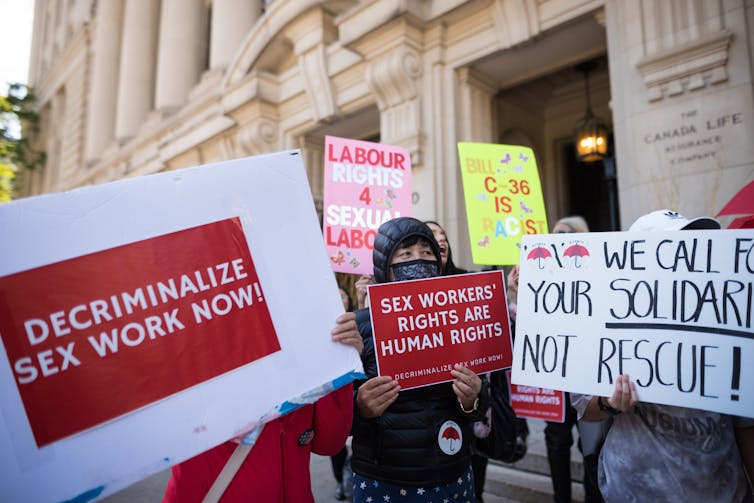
<point x="575" y="222"/>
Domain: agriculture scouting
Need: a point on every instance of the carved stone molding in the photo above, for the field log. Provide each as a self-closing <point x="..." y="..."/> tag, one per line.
<point x="258" y="136"/>
<point x="394" y="78"/>
<point x="309" y="35"/>
<point x="313" y="67"/>
<point x="686" y="67"/>
<point x="516" y="21"/>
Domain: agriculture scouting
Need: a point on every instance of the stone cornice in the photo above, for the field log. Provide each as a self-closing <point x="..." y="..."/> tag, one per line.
<point x="354" y="24"/>
<point x="687" y="66"/>
<point x="257" y="84"/>
<point x="279" y="15"/>
<point x="401" y="31"/>
<point x="162" y="139"/>
<point x="552" y="13"/>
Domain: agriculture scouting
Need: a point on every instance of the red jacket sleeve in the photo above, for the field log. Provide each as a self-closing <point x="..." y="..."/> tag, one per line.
<point x="333" y="414"/>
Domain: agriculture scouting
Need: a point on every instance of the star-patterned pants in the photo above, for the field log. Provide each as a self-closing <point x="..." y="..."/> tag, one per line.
<point x="375" y="491"/>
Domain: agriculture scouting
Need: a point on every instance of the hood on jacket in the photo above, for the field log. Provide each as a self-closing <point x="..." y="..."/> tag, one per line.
<point x="389" y="237"/>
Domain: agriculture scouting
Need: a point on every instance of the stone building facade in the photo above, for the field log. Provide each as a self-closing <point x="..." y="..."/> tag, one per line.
<point x="133" y="87"/>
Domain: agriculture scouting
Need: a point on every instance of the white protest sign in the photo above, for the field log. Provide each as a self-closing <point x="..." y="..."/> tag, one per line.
<point x="672" y="309"/>
<point x="143" y="322"/>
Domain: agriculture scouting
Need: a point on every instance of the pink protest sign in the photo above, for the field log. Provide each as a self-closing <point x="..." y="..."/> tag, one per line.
<point x="366" y="184"/>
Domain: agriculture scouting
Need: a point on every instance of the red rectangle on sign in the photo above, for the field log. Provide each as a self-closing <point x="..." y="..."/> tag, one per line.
<point x="97" y="336"/>
<point x="423" y="328"/>
<point x="537" y="403"/>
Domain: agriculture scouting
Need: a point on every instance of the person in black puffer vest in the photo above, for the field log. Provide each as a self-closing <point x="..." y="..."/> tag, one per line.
<point x="397" y="447"/>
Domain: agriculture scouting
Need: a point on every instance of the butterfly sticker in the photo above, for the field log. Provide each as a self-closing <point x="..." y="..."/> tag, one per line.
<point x="390" y="193"/>
<point x="506" y="159"/>
<point x="482" y="197"/>
<point x="378" y="201"/>
<point x="484" y="242"/>
<point x="518" y="169"/>
<point x="354" y="262"/>
<point x="339" y="258"/>
<point x="523" y="157"/>
<point x="525" y="208"/>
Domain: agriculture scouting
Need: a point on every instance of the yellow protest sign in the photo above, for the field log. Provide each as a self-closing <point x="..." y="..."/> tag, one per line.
<point x="503" y="200"/>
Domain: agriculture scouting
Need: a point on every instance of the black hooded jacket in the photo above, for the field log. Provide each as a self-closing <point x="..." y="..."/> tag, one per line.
<point x="402" y="446"/>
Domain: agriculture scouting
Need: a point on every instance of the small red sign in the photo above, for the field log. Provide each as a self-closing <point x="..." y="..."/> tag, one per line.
<point x="537" y="403"/>
<point x="423" y="328"/>
<point x="97" y="336"/>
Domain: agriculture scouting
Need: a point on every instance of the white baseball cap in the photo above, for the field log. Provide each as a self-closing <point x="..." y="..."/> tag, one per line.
<point x="669" y="220"/>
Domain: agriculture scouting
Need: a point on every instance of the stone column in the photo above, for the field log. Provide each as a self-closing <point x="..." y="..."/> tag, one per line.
<point x="476" y="106"/>
<point x="231" y="22"/>
<point x="103" y="98"/>
<point x="313" y="150"/>
<point x="182" y="51"/>
<point x="474" y="114"/>
<point x="137" y="66"/>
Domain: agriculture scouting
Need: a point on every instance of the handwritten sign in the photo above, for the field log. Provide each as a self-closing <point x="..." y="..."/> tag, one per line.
<point x="673" y="310"/>
<point x="423" y="328"/>
<point x="136" y="318"/>
<point x="537" y="403"/>
<point x="503" y="200"/>
<point x="366" y="184"/>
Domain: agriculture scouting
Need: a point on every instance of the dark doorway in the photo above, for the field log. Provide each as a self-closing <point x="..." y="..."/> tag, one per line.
<point x="592" y="190"/>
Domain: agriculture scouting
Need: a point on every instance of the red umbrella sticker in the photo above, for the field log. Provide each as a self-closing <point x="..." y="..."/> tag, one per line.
<point x="576" y="251"/>
<point x="450" y="438"/>
<point x="539" y="254"/>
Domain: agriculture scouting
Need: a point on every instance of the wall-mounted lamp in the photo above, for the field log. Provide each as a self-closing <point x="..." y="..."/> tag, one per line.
<point x="591" y="133"/>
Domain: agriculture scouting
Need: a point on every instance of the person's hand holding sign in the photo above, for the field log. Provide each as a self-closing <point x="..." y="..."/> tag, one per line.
<point x="376" y="395"/>
<point x="513" y="283"/>
<point x="624" y="395"/>
<point x="466" y="387"/>
<point x="347" y="332"/>
<point x="623" y="399"/>
<point x="361" y="289"/>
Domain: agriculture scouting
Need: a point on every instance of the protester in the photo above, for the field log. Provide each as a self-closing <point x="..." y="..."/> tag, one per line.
<point x="446" y="254"/>
<point x="397" y="455"/>
<point x="482" y="427"/>
<point x="558" y="436"/>
<point x="659" y="452"/>
<point x="277" y="467"/>
<point x="341" y="464"/>
<point x="448" y="267"/>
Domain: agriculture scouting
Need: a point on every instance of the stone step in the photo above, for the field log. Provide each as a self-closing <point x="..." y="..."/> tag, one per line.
<point x="528" y="480"/>
<point x="513" y="484"/>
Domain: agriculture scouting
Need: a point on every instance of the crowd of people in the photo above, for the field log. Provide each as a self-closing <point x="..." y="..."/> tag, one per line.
<point x="396" y="455"/>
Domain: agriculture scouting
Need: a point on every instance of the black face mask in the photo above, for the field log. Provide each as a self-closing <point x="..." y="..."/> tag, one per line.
<point x="415" y="269"/>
